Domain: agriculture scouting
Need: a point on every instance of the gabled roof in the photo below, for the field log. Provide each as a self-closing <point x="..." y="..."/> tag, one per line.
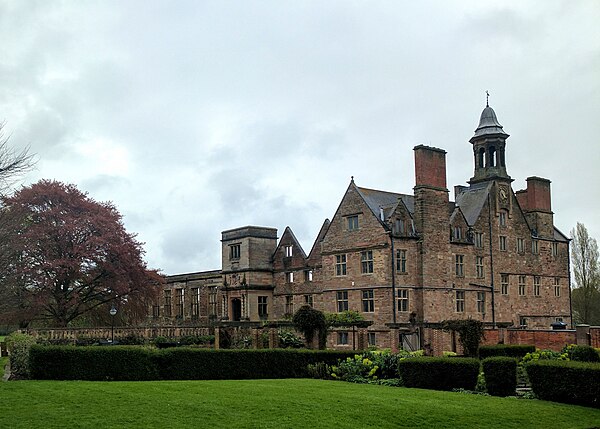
<point x="288" y="232"/>
<point x="457" y="215"/>
<point x="388" y="201"/>
<point x="559" y="236"/>
<point x="320" y="237"/>
<point x="472" y="200"/>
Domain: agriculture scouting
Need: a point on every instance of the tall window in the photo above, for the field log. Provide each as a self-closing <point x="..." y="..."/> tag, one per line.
<point x="372" y="339"/>
<point x="403" y="300"/>
<point x="352" y="222"/>
<point x="212" y="301"/>
<point x="522" y="286"/>
<point x="308" y="300"/>
<point x="289" y="304"/>
<point x="308" y="275"/>
<point x="479" y="266"/>
<point x="235" y="251"/>
<point x="399" y="227"/>
<point x="289" y="251"/>
<point x="536" y="285"/>
<point x="156" y="310"/>
<point x="368" y="301"/>
<point x="289" y="277"/>
<point x="195" y="306"/>
<point x="504" y="284"/>
<point x="555" y="249"/>
<point x="503" y="243"/>
<point x="366" y="259"/>
<point x="180" y="302"/>
<point x="522" y="321"/>
<point x="342" y="338"/>
<point x="535" y="249"/>
<point x="481" y="302"/>
<point x="479" y="240"/>
<point x="520" y="245"/>
<point x="460" y="301"/>
<point x="556" y="286"/>
<point x="401" y="261"/>
<point x="342" y="300"/>
<point x="340" y="265"/>
<point x="459" y="265"/>
<point x="168" y="303"/>
<point x="263" y="307"/>
<point x="457" y="233"/>
<point x="502" y="218"/>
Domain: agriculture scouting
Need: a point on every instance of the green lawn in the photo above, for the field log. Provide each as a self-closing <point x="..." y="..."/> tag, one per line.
<point x="269" y="404"/>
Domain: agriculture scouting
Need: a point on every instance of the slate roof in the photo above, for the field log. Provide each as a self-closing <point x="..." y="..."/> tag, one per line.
<point x="472" y="200"/>
<point x="488" y="124"/>
<point x="388" y="201"/>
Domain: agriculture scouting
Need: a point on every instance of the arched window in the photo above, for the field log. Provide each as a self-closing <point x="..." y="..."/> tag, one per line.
<point x="480" y="156"/>
<point x="492" y="156"/>
<point x="501" y="161"/>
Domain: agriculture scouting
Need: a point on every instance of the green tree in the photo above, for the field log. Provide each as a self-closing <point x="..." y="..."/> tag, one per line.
<point x="585" y="261"/>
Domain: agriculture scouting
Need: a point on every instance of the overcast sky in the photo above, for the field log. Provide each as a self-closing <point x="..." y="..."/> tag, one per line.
<point x="196" y="117"/>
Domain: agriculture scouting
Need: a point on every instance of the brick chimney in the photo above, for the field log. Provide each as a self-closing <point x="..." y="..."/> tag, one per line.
<point x="538" y="194"/>
<point x="430" y="167"/>
<point x="536" y="203"/>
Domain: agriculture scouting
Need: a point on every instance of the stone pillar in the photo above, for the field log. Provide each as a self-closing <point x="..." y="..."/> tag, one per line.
<point x="583" y="335"/>
<point x="255" y="338"/>
<point x="273" y="338"/>
<point x="217" y="338"/>
<point x="394" y="339"/>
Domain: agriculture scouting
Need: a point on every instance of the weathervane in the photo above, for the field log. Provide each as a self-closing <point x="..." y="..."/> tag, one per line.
<point x="487" y="99"/>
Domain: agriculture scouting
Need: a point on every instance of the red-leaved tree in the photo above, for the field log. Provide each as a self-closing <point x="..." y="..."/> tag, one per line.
<point x="64" y="255"/>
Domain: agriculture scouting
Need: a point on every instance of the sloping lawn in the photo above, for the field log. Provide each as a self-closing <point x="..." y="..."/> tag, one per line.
<point x="269" y="404"/>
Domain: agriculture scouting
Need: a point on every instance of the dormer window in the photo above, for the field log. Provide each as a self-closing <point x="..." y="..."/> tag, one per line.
<point x="352" y="222"/>
<point x="457" y="233"/>
<point x="399" y="226"/>
<point x="289" y="251"/>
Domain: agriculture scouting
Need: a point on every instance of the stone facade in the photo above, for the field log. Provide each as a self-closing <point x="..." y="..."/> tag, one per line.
<point x="401" y="260"/>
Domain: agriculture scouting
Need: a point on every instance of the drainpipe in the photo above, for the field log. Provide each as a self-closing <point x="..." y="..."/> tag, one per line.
<point x="569" y="282"/>
<point x="393" y="279"/>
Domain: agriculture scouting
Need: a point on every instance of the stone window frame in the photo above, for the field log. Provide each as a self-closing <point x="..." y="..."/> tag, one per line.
<point x="289" y="251"/>
<point x="371" y="339"/>
<point x="342" y="338"/>
<point x="503" y="243"/>
<point x="457" y="234"/>
<point x="459" y="265"/>
<point x="308" y="275"/>
<point x="481" y="302"/>
<point x="156" y="311"/>
<point x="460" y="301"/>
<point x="502" y="218"/>
<point x="263" y="306"/>
<point x="167" y="307"/>
<point x="289" y="277"/>
<point x="403" y="300"/>
<point x="537" y="284"/>
<point x="368" y="301"/>
<point x="341" y="268"/>
<point x="195" y="302"/>
<point x="352" y="223"/>
<point x="366" y="262"/>
<point x="212" y="301"/>
<point x="504" y="283"/>
<point x="522" y="321"/>
<point x="401" y="261"/>
<point x="235" y="251"/>
<point x="555" y="249"/>
<point x="341" y="300"/>
<point x="479" y="267"/>
<point x="522" y="285"/>
<point x="535" y="246"/>
<point x="289" y="304"/>
<point x="308" y="300"/>
<point x="557" y="287"/>
<point x="520" y="245"/>
<point x="180" y="302"/>
<point x="478" y="240"/>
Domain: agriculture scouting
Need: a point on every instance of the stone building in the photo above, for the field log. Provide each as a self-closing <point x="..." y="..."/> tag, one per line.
<point x="401" y="260"/>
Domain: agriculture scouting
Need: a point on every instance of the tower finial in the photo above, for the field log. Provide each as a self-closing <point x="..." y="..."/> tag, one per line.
<point x="487" y="98"/>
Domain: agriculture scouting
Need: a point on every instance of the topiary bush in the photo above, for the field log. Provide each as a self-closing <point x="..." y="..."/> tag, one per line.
<point x="582" y="353"/>
<point x="18" y="346"/>
<point x="439" y="373"/>
<point x="500" y="373"/>
<point x="308" y="321"/>
<point x="509" y="350"/>
<point x="566" y="381"/>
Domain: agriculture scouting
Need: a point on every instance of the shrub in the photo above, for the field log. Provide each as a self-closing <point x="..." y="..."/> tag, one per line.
<point x="319" y="370"/>
<point x="357" y="369"/>
<point x="307" y="320"/>
<point x="18" y="346"/>
<point x="565" y="381"/>
<point x="582" y="353"/>
<point x="439" y="373"/>
<point x="500" y="374"/>
<point x="509" y="350"/>
<point x="92" y="363"/>
<point x="287" y="339"/>
<point x="470" y="333"/>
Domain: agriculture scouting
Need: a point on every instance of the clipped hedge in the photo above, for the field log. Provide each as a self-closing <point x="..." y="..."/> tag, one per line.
<point x="500" y="373"/>
<point x="509" y="350"/>
<point x="126" y="363"/>
<point x="583" y="354"/>
<point x="439" y="373"/>
<point x="566" y="381"/>
<point x="137" y="363"/>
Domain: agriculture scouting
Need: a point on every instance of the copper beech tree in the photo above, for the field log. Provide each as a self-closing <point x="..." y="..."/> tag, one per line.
<point x="65" y="255"/>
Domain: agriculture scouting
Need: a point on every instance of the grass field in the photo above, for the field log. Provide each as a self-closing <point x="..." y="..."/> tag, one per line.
<point x="269" y="404"/>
